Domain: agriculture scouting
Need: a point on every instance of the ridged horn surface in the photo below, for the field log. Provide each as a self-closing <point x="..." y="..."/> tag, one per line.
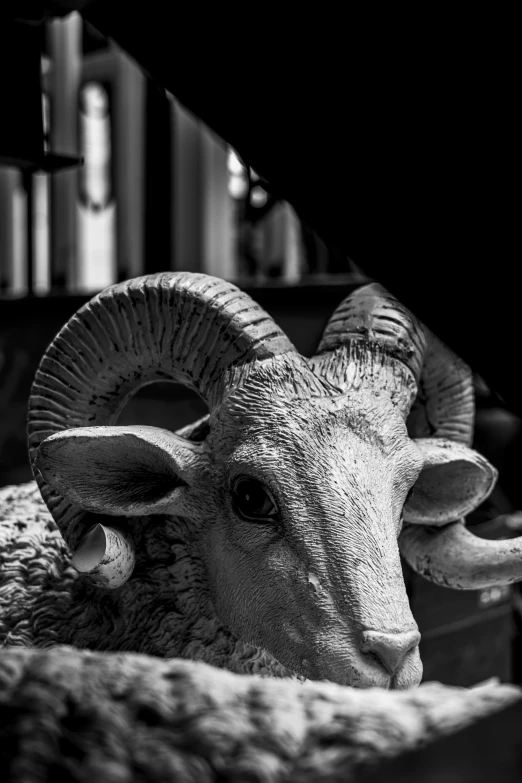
<point x="401" y="356"/>
<point x="373" y="315"/>
<point x="445" y="406"/>
<point x="452" y="556"/>
<point x="183" y="327"/>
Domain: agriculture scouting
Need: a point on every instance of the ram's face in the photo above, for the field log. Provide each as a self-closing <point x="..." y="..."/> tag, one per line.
<point x="296" y="494"/>
<point x="302" y="550"/>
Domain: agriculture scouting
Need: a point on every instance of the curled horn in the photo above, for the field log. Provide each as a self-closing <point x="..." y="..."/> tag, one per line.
<point x="182" y="327"/>
<point x="106" y="555"/>
<point x="373" y="340"/>
<point x="453" y="557"/>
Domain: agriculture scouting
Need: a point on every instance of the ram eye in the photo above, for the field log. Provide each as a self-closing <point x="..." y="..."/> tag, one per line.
<point x="252" y="500"/>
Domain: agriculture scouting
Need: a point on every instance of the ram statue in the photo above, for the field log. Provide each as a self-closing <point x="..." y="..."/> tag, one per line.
<point x="265" y="538"/>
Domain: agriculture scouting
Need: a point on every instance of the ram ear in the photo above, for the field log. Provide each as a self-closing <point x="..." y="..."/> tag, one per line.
<point x="453" y="482"/>
<point x="120" y="471"/>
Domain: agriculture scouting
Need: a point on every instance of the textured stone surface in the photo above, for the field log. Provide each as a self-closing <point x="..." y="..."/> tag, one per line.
<point x="117" y="718"/>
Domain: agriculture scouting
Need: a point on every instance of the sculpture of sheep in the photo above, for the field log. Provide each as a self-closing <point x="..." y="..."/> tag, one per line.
<point x="263" y="538"/>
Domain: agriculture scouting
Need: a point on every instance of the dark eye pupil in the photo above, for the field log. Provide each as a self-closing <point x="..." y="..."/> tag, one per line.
<point x="252" y="500"/>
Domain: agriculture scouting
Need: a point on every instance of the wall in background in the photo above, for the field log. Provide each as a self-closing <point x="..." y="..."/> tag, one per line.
<point x="157" y="190"/>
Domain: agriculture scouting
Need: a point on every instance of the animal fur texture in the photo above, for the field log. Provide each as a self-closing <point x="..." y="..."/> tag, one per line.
<point x="82" y="716"/>
<point x="165" y="611"/>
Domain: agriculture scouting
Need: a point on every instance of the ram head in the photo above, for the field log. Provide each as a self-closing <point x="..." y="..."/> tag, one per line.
<point x="302" y="484"/>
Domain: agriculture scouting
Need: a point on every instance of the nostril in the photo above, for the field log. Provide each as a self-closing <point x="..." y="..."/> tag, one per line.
<point x="390" y="648"/>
